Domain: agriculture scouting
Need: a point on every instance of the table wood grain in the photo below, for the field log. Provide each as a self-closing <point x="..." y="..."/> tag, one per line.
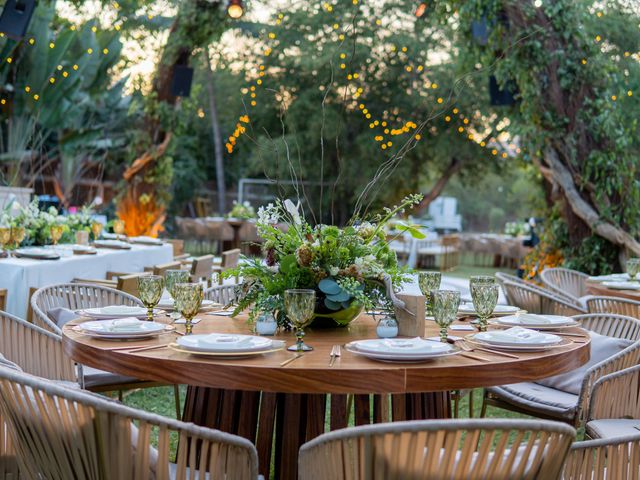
<point x="350" y="374"/>
<point x="596" y="288"/>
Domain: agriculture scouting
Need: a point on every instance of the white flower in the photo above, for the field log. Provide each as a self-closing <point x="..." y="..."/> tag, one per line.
<point x="293" y="211"/>
<point x="268" y="215"/>
<point x="333" y="271"/>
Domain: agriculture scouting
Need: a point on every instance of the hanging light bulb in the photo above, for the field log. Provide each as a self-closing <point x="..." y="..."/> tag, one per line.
<point x="234" y="9"/>
<point x="421" y="10"/>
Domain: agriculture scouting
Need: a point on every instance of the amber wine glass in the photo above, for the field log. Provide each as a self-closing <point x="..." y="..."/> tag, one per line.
<point x="17" y="236"/>
<point x="5" y="237"/>
<point x="188" y="300"/>
<point x="55" y="232"/>
<point x="300" y="305"/>
<point x="150" y="289"/>
<point x="118" y="227"/>
<point x="96" y="229"/>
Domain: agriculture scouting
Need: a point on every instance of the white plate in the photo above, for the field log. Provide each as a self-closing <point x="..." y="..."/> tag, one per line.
<point x="37" y="253"/>
<point x="517" y="337"/>
<point x="401" y="346"/>
<point x="518" y="348"/>
<point x="276" y="346"/>
<point x="469" y="309"/>
<point x="134" y="328"/>
<point x="622" y="285"/>
<point x="145" y="240"/>
<point x="528" y="321"/>
<point x="614" y="277"/>
<point x="390" y="357"/>
<point x="113" y="236"/>
<point x="117" y="244"/>
<point x="224" y="343"/>
<point x="114" y="311"/>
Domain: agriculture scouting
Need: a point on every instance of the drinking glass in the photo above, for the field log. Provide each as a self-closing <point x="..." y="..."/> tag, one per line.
<point x="17" y="236"/>
<point x="188" y="300"/>
<point x="96" y="229"/>
<point x="171" y="279"/>
<point x="150" y="289"/>
<point x="55" y="232"/>
<point x="445" y="309"/>
<point x="300" y="305"/>
<point x="633" y="267"/>
<point x="485" y="298"/>
<point x="5" y="238"/>
<point x="428" y="282"/>
<point x="118" y="227"/>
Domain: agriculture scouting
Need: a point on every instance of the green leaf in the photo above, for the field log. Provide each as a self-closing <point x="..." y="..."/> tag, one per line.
<point x="339" y="297"/>
<point x="332" y="305"/>
<point x="288" y="264"/>
<point x="329" y="286"/>
<point x="413" y="230"/>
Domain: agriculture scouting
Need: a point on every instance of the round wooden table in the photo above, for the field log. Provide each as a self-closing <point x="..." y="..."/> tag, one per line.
<point x="258" y="398"/>
<point x="596" y="288"/>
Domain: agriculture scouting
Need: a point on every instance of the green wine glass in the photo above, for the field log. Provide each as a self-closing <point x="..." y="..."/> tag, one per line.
<point x="445" y="309"/>
<point x="188" y="300"/>
<point x="150" y="289"/>
<point x="428" y="282"/>
<point x="485" y="299"/>
<point x="300" y="305"/>
<point x="633" y="268"/>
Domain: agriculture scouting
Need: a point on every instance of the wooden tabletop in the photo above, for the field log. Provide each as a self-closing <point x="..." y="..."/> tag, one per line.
<point x="596" y="288"/>
<point x="311" y="373"/>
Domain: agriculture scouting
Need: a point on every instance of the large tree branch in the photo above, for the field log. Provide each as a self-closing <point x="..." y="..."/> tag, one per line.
<point x="562" y="176"/>
<point x="454" y="167"/>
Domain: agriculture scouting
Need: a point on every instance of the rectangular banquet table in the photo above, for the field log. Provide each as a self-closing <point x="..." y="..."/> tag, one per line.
<point x="18" y="275"/>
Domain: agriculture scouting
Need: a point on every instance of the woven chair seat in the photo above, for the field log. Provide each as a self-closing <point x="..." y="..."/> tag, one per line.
<point x="613" y="427"/>
<point x="538" y="398"/>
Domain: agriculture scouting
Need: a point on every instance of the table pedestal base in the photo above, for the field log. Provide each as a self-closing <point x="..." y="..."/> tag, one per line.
<point x="297" y="418"/>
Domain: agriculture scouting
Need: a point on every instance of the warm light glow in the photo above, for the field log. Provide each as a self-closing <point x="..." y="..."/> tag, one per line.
<point x="421" y="10"/>
<point x="235" y="10"/>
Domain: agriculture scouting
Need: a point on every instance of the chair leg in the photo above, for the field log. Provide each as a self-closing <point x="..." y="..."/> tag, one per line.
<point x="483" y="410"/>
<point x="471" y="403"/>
<point x="176" y="394"/>
<point x="456" y="405"/>
<point x="120" y="395"/>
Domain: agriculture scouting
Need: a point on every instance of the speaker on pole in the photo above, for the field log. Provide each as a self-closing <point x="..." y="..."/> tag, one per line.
<point x="181" y="81"/>
<point x="15" y="17"/>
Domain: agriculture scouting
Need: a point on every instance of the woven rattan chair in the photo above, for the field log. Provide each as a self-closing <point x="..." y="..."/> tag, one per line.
<point x="224" y="294"/>
<point x="60" y="433"/>
<point x="502" y="277"/>
<point x="451" y="449"/>
<point x="539" y="300"/>
<point x="614" y="410"/>
<point x="541" y="401"/>
<point x="565" y="282"/>
<point x="229" y="260"/>
<point x="74" y="296"/>
<point x="612" y="459"/>
<point x="621" y="306"/>
<point x="202" y="269"/>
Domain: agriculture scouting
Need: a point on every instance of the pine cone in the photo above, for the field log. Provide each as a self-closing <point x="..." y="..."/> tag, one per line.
<point x="304" y="255"/>
<point x="271" y="257"/>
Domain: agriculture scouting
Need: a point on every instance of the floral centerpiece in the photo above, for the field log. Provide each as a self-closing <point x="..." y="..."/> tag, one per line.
<point x="516" y="228"/>
<point x="242" y="210"/>
<point x="350" y="268"/>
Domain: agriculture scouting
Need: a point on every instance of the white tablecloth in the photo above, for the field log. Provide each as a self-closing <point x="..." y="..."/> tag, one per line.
<point x="17" y="275"/>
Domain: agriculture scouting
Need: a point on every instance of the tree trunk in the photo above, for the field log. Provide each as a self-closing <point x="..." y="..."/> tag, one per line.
<point x="217" y="138"/>
<point x="454" y="167"/>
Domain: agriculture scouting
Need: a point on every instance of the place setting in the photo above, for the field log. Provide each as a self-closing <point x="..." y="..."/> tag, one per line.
<point x="127" y="328"/>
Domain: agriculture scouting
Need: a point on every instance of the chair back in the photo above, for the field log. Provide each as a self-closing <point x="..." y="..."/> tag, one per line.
<point x="454" y="449"/>
<point x="621" y="306"/>
<point x="74" y="296"/>
<point x="163" y="267"/>
<point x="539" y="300"/>
<point x="202" y="268"/>
<point x="129" y="283"/>
<point x="611" y="325"/>
<point x="87" y="436"/>
<point x="177" y="244"/>
<point x="224" y="294"/>
<point x="230" y="258"/>
<point x="565" y="282"/>
<point x="617" y="458"/>
<point x="36" y="350"/>
<point x="616" y="395"/>
<point x="3" y="299"/>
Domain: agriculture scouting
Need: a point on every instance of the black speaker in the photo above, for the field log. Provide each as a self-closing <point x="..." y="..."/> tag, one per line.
<point x="502" y="97"/>
<point x="181" y="81"/>
<point x="15" y="17"/>
<point x="480" y="31"/>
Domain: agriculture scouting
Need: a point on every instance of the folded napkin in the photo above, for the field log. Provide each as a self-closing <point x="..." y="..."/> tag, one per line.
<point x="129" y="324"/>
<point x="226" y="340"/>
<point x="408" y="343"/>
<point x="531" y="319"/>
<point x="515" y="334"/>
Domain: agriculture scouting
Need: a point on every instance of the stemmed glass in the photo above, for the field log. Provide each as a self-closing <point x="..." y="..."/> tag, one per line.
<point x="445" y="309"/>
<point x="171" y="279"/>
<point x="55" y="232"/>
<point x="5" y="238"/>
<point x="485" y="298"/>
<point x="150" y="289"/>
<point x="17" y="236"/>
<point x="96" y="229"/>
<point x="428" y="282"/>
<point x="188" y="297"/>
<point x="633" y="267"/>
<point x="118" y="227"/>
<point x="299" y="305"/>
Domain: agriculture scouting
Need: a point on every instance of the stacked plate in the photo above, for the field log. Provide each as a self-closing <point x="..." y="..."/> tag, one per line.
<point x="37" y="253"/>
<point x="114" y="312"/>
<point x="226" y="345"/>
<point x="630" y="285"/>
<point x="121" y="329"/>
<point x="517" y="339"/>
<point x="401" y="349"/>
<point x="115" y="244"/>
<point x="536" y="322"/>
<point x="83" y="250"/>
<point x="468" y="309"/>
<point x="145" y="240"/>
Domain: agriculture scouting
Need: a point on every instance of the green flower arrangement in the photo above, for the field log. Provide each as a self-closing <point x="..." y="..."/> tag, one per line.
<point x="242" y="210"/>
<point x="349" y="268"/>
